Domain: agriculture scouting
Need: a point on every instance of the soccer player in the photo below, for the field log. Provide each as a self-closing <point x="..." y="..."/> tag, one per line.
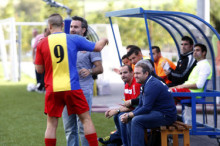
<point x="56" y="55"/>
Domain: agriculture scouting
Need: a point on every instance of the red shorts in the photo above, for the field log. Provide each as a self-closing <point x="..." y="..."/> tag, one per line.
<point x="177" y="99"/>
<point x="74" y="100"/>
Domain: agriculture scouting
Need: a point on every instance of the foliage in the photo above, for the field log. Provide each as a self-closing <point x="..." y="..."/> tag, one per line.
<point x="8" y="11"/>
<point x="132" y="30"/>
<point x="33" y="11"/>
<point x="30" y="8"/>
<point x="215" y="14"/>
<point x="164" y="39"/>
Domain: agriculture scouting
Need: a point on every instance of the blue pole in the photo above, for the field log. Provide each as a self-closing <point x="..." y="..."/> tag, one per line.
<point x="148" y="36"/>
<point x="67" y="25"/>
<point x="110" y="20"/>
<point x="169" y="31"/>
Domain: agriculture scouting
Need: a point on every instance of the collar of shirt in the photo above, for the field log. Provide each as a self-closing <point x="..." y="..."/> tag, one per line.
<point x="57" y="32"/>
<point x="201" y="61"/>
<point x="142" y="87"/>
<point x="185" y="55"/>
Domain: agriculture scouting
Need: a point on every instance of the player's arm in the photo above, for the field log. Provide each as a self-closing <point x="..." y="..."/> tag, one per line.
<point x="100" y="44"/>
<point x="39" y="68"/>
<point x="98" y="69"/>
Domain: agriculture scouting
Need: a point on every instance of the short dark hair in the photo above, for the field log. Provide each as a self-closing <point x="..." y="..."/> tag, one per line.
<point x="186" y="38"/>
<point x="202" y="46"/>
<point x="132" y="46"/>
<point x="55" y="20"/>
<point x="134" y="49"/>
<point x="129" y="68"/>
<point x="83" y="22"/>
<point x="124" y="56"/>
<point x="157" y="48"/>
<point x="144" y="66"/>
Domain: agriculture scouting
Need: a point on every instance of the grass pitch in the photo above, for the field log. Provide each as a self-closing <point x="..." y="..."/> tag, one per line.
<point x="22" y="121"/>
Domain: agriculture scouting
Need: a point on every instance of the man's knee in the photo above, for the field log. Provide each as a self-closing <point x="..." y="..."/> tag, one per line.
<point x="52" y="121"/>
<point x="84" y="117"/>
<point x="136" y="121"/>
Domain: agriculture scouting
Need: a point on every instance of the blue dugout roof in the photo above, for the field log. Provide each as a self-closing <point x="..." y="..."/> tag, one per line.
<point x="177" y="24"/>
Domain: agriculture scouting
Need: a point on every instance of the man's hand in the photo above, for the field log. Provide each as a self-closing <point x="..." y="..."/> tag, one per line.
<point x="178" y="86"/>
<point x="106" y="41"/>
<point x="116" y="70"/>
<point x="107" y="113"/>
<point x="167" y="72"/>
<point x="124" y="118"/>
<point x="110" y="113"/>
<point x="100" y="44"/>
<point x="84" y="72"/>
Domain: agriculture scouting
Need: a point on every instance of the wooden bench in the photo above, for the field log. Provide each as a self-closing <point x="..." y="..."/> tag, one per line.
<point x="175" y="129"/>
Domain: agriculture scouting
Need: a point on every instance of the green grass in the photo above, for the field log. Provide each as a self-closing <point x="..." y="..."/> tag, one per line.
<point x="22" y="119"/>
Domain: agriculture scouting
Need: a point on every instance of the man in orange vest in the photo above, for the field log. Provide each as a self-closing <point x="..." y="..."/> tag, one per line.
<point x="160" y="63"/>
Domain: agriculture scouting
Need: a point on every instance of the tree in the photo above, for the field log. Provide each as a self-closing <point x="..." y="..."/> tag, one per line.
<point x="215" y="14"/>
<point x="37" y="11"/>
<point x="133" y="30"/>
<point x="8" y="10"/>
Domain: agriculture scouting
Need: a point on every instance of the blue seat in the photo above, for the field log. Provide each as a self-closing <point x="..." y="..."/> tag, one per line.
<point x="202" y="100"/>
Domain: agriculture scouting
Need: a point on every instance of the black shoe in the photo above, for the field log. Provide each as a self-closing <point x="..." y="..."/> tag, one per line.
<point x="179" y="118"/>
<point x="105" y="140"/>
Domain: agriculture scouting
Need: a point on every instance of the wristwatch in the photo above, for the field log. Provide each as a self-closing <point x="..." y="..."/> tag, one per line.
<point x="90" y="70"/>
<point x="129" y="117"/>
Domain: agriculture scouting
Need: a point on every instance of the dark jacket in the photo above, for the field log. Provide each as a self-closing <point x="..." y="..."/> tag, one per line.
<point x="155" y="96"/>
<point x="135" y="101"/>
<point x="184" y="66"/>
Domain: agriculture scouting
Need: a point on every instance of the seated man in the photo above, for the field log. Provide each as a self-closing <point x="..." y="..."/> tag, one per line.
<point x="125" y="61"/>
<point x="134" y="54"/>
<point x="156" y="106"/>
<point x="134" y="102"/>
<point x="128" y="48"/>
<point x="131" y="91"/>
<point x="185" y="63"/>
<point x="160" y="62"/>
<point x="200" y="73"/>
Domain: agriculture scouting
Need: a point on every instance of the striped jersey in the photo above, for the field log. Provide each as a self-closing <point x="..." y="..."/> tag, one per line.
<point x="58" y="54"/>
